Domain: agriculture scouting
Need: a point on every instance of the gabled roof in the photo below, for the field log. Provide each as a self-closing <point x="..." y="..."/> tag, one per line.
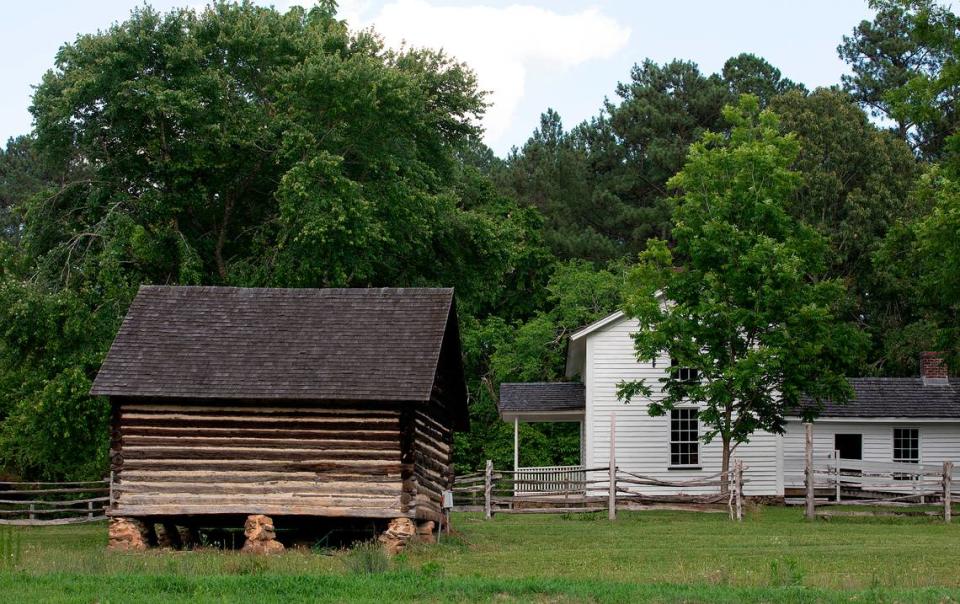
<point x="577" y="346"/>
<point x="597" y="325"/>
<point x="897" y="397"/>
<point x="284" y="344"/>
<point x="541" y="397"/>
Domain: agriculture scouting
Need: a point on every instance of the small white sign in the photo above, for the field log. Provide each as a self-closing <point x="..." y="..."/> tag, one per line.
<point x="447" y="500"/>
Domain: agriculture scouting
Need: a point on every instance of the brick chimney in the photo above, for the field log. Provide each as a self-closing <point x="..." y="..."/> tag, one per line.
<point x="933" y="369"/>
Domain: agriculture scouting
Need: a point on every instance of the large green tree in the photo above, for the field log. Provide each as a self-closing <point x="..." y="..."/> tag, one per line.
<point x="553" y="173"/>
<point x="917" y="266"/>
<point x="238" y="145"/>
<point x="602" y="185"/>
<point x="243" y="145"/>
<point x="749" y="74"/>
<point x="907" y="40"/>
<point x="855" y="185"/>
<point x="855" y="178"/>
<point x="23" y="174"/>
<point x="741" y="297"/>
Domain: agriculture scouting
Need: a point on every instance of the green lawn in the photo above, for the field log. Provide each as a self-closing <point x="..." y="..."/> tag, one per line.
<point x="659" y="556"/>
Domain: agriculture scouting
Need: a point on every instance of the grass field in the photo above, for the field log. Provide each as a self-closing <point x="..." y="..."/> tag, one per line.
<point x="655" y="556"/>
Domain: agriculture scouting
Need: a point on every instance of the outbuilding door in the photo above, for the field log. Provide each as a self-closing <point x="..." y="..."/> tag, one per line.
<point x="850" y="446"/>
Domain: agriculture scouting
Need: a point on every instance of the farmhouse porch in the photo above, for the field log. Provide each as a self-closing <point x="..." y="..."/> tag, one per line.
<point x="543" y="402"/>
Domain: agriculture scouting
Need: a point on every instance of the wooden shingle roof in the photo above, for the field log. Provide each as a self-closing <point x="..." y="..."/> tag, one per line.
<point x="283" y="344"/>
<point x="541" y="397"/>
<point x="897" y="397"/>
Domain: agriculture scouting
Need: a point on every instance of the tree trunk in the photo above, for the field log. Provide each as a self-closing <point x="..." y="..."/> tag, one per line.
<point x="725" y="454"/>
<point x="222" y="237"/>
<point x="903" y="131"/>
<point x="725" y="464"/>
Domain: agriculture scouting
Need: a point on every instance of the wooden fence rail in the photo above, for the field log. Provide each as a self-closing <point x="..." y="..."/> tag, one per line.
<point x="873" y="483"/>
<point x="561" y="489"/>
<point x="44" y="503"/>
<point x="851" y="482"/>
<point x="587" y="490"/>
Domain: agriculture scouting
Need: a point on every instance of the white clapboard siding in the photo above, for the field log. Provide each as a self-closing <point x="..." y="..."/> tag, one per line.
<point x="643" y="442"/>
<point x="939" y="439"/>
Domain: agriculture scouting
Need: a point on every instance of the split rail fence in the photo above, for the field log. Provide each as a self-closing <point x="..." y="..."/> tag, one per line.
<point x="571" y="490"/>
<point x="835" y="481"/>
<point x="44" y="503"/>
<point x="596" y="489"/>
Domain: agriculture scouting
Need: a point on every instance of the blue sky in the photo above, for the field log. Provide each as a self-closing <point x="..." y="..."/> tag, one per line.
<point x="530" y="54"/>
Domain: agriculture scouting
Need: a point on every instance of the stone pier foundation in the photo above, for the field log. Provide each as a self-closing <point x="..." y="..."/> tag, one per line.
<point x="398" y="533"/>
<point x="128" y="534"/>
<point x="261" y="536"/>
<point x="425" y="532"/>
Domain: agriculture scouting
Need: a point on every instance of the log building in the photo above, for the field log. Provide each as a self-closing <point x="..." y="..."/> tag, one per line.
<point x="284" y="402"/>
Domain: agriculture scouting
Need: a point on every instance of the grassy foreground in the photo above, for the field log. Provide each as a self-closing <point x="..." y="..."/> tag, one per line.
<point x="654" y="556"/>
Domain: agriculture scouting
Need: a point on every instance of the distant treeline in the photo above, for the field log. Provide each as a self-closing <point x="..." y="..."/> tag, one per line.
<point x="238" y="145"/>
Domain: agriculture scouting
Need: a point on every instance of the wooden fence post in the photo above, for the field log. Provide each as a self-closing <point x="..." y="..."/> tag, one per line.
<point x="32" y="515"/>
<point x="612" y="497"/>
<point x="89" y="510"/>
<point x="810" y="511"/>
<point x="836" y="472"/>
<point x="738" y="475"/>
<point x="487" y="489"/>
<point x="947" y="479"/>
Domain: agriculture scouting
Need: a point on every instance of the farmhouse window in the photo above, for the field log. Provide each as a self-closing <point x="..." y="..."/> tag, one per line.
<point x="684" y="374"/>
<point x="906" y="445"/>
<point x="850" y="446"/>
<point x="684" y="437"/>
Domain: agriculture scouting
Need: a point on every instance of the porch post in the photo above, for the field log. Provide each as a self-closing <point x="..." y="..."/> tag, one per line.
<point x="612" y="496"/>
<point x="811" y="513"/>
<point x="583" y="445"/>
<point x="516" y="444"/>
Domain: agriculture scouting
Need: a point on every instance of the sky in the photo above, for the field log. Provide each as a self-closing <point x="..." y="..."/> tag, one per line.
<point x="529" y="54"/>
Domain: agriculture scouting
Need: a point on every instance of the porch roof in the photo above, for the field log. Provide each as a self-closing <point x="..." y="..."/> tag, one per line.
<point x="544" y="401"/>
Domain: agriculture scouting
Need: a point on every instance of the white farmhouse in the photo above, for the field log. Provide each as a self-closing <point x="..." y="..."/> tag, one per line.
<point x="914" y="420"/>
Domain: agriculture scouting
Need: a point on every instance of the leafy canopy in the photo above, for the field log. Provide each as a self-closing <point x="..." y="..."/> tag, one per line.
<point x="240" y="146"/>
<point x="896" y="60"/>
<point x="602" y="185"/>
<point x="918" y="262"/>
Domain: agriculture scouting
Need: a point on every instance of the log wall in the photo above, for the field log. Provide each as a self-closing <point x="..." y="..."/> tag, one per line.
<point x="275" y="459"/>
<point x="433" y="461"/>
<point x="431" y="434"/>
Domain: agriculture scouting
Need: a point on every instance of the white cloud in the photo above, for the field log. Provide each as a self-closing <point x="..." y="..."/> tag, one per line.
<point x="502" y="44"/>
<point x="353" y="11"/>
